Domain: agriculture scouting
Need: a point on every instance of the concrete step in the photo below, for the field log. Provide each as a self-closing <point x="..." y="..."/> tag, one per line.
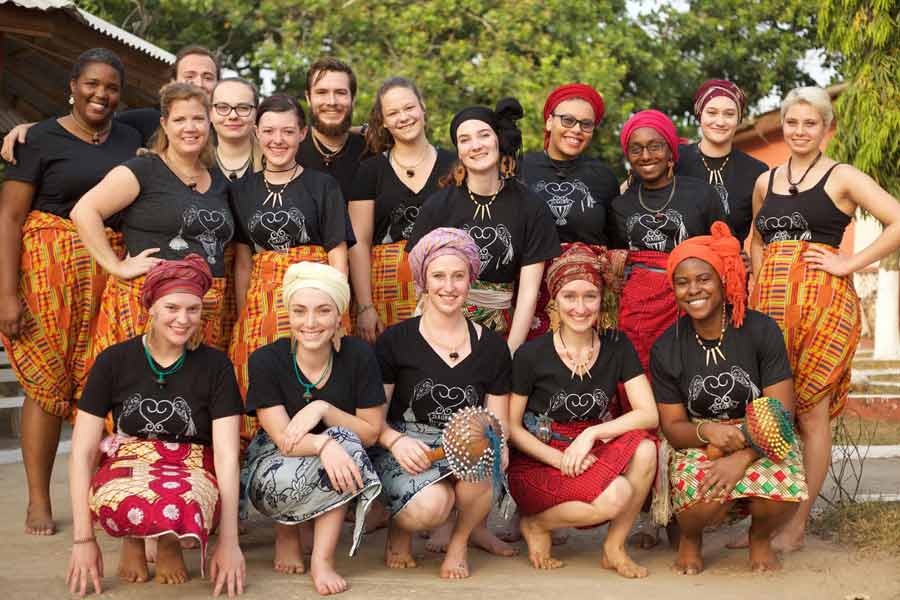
<point x="870" y="364"/>
<point x="875" y="388"/>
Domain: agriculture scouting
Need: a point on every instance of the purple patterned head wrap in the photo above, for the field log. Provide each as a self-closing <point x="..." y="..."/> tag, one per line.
<point x="441" y="242"/>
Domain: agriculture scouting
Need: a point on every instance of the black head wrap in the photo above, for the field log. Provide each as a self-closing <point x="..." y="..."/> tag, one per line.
<point x="502" y="120"/>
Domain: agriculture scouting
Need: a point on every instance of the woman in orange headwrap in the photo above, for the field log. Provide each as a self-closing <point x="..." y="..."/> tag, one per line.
<point x="706" y="369"/>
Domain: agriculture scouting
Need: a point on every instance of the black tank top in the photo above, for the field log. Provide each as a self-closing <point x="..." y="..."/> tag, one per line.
<point x="809" y="215"/>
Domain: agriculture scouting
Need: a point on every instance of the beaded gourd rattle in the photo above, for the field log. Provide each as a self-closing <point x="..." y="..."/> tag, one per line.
<point x="768" y="429"/>
<point x="473" y="445"/>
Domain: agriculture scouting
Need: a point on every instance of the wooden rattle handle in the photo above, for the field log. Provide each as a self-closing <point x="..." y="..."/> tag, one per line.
<point x="714" y="452"/>
<point x="436" y="454"/>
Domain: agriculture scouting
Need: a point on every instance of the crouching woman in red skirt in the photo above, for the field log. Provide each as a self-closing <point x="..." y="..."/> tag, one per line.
<point x="580" y="462"/>
<point x="173" y="401"/>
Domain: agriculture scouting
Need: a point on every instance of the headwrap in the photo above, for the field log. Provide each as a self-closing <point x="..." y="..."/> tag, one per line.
<point x="568" y="91"/>
<point x="502" y="120"/>
<point x="655" y="120"/>
<point x="603" y="268"/>
<point x="441" y="242"/>
<point x="723" y="252"/>
<point x="190" y="275"/>
<point x="719" y="87"/>
<point x="317" y="276"/>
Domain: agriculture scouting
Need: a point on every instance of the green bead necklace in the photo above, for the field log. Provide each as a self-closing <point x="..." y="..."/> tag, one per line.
<point x="161" y="374"/>
<point x="308" y="387"/>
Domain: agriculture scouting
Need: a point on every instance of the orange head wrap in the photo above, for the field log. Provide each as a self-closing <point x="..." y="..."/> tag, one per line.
<point x="723" y="252"/>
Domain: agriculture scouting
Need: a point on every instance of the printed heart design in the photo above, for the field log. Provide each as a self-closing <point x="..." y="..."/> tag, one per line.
<point x="275" y="221"/>
<point x="560" y="190"/>
<point x="155" y="413"/>
<point x="448" y="398"/>
<point x="579" y="405"/>
<point x="411" y="213"/>
<point x="210" y="219"/>
<point x="483" y="236"/>
<point x="719" y="386"/>
<point x="653" y="222"/>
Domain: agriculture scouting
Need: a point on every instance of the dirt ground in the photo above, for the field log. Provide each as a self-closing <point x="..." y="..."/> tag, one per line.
<point x="32" y="567"/>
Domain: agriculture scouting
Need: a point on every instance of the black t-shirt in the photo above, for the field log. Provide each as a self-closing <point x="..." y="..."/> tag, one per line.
<point x="578" y="193"/>
<point x="755" y="358"/>
<point x="355" y="381"/>
<point x="311" y="211"/>
<point x="170" y="216"/>
<point x="63" y="167"/>
<point x="739" y="175"/>
<point x="343" y="167"/>
<point x="427" y="386"/>
<point x="396" y="206"/>
<point x="182" y="410"/>
<point x="519" y="231"/>
<point x="541" y="375"/>
<point x="695" y="206"/>
<point x="145" y="120"/>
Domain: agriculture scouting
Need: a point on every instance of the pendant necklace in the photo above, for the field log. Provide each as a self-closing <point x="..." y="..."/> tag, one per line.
<point x="95" y="134"/>
<point x="483" y="209"/>
<point x="191" y="182"/>
<point x="161" y="374"/>
<point x="657" y="212"/>
<point x="792" y="185"/>
<point x="276" y="196"/>
<point x="308" y="387"/>
<point x="233" y="175"/>
<point x="714" y="352"/>
<point x="454" y="349"/>
<point x="328" y="155"/>
<point x="579" y="367"/>
<point x="715" y="175"/>
<point x="410" y="169"/>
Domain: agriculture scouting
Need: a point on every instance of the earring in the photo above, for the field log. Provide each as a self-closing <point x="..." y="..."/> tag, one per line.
<point x="671" y="170"/>
<point x="71" y="100"/>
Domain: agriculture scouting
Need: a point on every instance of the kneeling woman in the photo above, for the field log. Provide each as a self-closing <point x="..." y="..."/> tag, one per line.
<point x="706" y="369"/>
<point x="433" y="366"/>
<point x="580" y="461"/>
<point x="171" y="469"/>
<point x="319" y="402"/>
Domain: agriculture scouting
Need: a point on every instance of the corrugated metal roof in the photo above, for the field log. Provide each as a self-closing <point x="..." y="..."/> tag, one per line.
<point x="98" y="24"/>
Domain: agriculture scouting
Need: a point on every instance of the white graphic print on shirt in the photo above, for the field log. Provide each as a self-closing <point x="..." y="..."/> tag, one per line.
<point x="721" y="394"/>
<point x="447" y="400"/>
<point x="204" y="224"/>
<point x="155" y="417"/>
<point x="581" y="405"/>
<point x="493" y="242"/>
<point x="561" y="196"/>
<point x="652" y="230"/>
<point x="786" y="227"/>
<point x="272" y="228"/>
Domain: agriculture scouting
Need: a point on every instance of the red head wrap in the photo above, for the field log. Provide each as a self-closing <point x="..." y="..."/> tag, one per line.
<point x="723" y="252"/>
<point x="654" y="120"/>
<point x="719" y="87"/>
<point x="190" y="275"/>
<point x="603" y="268"/>
<point x="568" y="91"/>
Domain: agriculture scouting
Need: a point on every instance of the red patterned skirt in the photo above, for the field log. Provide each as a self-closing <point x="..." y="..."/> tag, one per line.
<point x="537" y="486"/>
<point x="648" y="303"/>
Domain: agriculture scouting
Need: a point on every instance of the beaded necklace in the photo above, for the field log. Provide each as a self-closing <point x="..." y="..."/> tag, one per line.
<point x="308" y="387"/>
<point x="161" y="374"/>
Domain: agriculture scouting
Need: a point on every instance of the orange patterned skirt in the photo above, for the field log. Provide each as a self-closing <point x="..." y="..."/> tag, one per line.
<point x="820" y="317"/>
<point x="229" y="300"/>
<point x="59" y="287"/>
<point x="393" y="290"/>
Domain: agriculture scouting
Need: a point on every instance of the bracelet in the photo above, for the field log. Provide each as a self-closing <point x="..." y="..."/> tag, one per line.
<point x="363" y="308"/>
<point x="330" y="439"/>
<point x="699" y="435"/>
<point x="394" y="443"/>
<point x="86" y="540"/>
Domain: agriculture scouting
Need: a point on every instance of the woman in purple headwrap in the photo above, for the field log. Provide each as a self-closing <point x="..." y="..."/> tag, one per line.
<point x="433" y="366"/>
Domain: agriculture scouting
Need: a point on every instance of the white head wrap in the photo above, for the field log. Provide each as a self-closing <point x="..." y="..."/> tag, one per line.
<point x="320" y="277"/>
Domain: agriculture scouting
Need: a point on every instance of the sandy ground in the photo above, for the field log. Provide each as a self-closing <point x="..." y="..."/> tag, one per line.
<point x="32" y="567"/>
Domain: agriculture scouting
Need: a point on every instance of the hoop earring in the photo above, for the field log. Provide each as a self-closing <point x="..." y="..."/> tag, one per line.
<point x="459" y="175"/>
<point x="71" y="100"/>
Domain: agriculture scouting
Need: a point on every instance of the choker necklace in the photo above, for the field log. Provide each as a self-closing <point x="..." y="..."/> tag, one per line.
<point x="483" y="209"/>
<point x="308" y="387"/>
<point x="792" y="185"/>
<point x="233" y="175"/>
<point x="657" y="212"/>
<point x="410" y="169"/>
<point x="328" y="155"/>
<point x="714" y="352"/>
<point x="276" y="196"/>
<point x="95" y="134"/>
<point x="161" y="374"/>
<point x="579" y="367"/>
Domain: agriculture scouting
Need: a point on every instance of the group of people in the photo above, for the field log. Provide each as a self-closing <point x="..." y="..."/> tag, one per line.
<point x="247" y="308"/>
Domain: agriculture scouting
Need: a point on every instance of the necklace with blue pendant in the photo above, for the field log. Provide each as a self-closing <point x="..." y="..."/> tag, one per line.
<point x="161" y="374"/>
<point x="308" y="387"/>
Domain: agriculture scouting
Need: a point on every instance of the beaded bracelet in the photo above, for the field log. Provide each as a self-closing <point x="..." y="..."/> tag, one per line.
<point x="699" y="436"/>
<point x="86" y="540"/>
<point x="363" y="308"/>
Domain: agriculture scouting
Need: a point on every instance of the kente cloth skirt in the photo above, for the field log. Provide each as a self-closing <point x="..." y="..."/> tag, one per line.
<point x="295" y="489"/>
<point x="59" y="288"/>
<point x="393" y="289"/>
<point x="490" y="304"/>
<point x="779" y="481"/>
<point x="229" y="297"/>
<point x="820" y="317"/>
<point x="537" y="486"/>
<point x="398" y="486"/>
<point x="149" y="488"/>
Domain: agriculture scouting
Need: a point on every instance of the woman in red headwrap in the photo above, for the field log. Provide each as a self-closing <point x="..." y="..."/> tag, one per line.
<point x="580" y="460"/>
<point x="706" y="369"/>
<point x="578" y="189"/>
<point x="719" y="105"/>
<point x="173" y="400"/>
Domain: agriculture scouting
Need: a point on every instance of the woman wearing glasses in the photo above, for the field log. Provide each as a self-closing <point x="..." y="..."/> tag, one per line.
<point x="578" y="189"/>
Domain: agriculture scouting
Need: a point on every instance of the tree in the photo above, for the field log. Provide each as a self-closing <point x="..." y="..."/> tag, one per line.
<point x="867" y="35"/>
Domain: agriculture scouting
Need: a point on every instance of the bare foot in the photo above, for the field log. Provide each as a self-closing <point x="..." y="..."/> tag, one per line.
<point x="377" y="518"/>
<point x="170" y="567"/>
<point x="307" y="535"/>
<point x="39" y="519"/>
<point x="787" y="542"/>
<point x="325" y="578"/>
<point x="645" y="538"/>
<point x="539" y="544"/>
<point x="762" y="557"/>
<point x="616" y="559"/>
<point x="690" y="556"/>
<point x="484" y="538"/>
<point x="456" y="564"/>
<point x="133" y="561"/>
<point x="398" y="549"/>
<point x="740" y="541"/>
<point x="440" y="537"/>
<point x="288" y="552"/>
<point x="150" y="549"/>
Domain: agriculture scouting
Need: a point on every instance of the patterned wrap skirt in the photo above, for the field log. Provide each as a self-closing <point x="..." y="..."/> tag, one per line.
<point x="819" y="315"/>
<point x="229" y="297"/>
<point x="490" y="304"/>
<point x="399" y="487"/>
<point x="393" y="289"/>
<point x="295" y="489"/>
<point x="60" y="286"/>
<point x="149" y="488"/>
<point x="537" y="486"/>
